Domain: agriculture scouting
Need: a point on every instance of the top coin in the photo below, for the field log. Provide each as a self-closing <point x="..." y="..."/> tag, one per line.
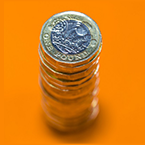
<point x="70" y="38"/>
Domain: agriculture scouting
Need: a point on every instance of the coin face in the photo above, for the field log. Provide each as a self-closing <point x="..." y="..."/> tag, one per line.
<point x="70" y="37"/>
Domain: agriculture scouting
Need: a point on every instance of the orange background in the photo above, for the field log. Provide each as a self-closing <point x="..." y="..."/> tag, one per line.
<point x="122" y="72"/>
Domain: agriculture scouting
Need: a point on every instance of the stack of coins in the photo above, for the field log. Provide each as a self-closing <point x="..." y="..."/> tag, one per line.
<point x="70" y="45"/>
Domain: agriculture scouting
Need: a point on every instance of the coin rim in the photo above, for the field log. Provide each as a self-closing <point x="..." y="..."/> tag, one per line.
<point x="77" y="14"/>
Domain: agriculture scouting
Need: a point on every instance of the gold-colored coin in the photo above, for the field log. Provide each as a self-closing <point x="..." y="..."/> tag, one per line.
<point x="68" y="69"/>
<point x="69" y="53"/>
<point x="73" y="76"/>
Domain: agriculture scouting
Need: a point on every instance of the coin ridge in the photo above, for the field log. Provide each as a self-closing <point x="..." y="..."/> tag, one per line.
<point x="76" y="16"/>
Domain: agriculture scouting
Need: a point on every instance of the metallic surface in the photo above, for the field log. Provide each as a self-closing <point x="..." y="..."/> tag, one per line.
<point x="68" y="68"/>
<point x="78" y="58"/>
<point x="69" y="52"/>
<point x="70" y="36"/>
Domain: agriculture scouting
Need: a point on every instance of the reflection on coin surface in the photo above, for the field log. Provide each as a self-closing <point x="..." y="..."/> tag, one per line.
<point x="70" y="37"/>
<point x="69" y="53"/>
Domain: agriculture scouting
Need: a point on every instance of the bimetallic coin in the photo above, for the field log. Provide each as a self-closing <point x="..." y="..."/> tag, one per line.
<point x="65" y="120"/>
<point x="62" y="93"/>
<point x="69" y="52"/>
<point x="68" y="82"/>
<point x="70" y="87"/>
<point x="68" y="69"/>
<point x="69" y="76"/>
<point x="70" y="38"/>
<point x="68" y="107"/>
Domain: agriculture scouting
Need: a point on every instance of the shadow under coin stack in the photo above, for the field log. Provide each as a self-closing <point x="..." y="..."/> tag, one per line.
<point x="70" y="44"/>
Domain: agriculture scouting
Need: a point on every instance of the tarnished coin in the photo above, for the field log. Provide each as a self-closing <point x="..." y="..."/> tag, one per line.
<point x="70" y="38"/>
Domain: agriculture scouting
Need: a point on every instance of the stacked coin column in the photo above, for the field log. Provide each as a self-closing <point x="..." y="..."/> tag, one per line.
<point x="70" y="45"/>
